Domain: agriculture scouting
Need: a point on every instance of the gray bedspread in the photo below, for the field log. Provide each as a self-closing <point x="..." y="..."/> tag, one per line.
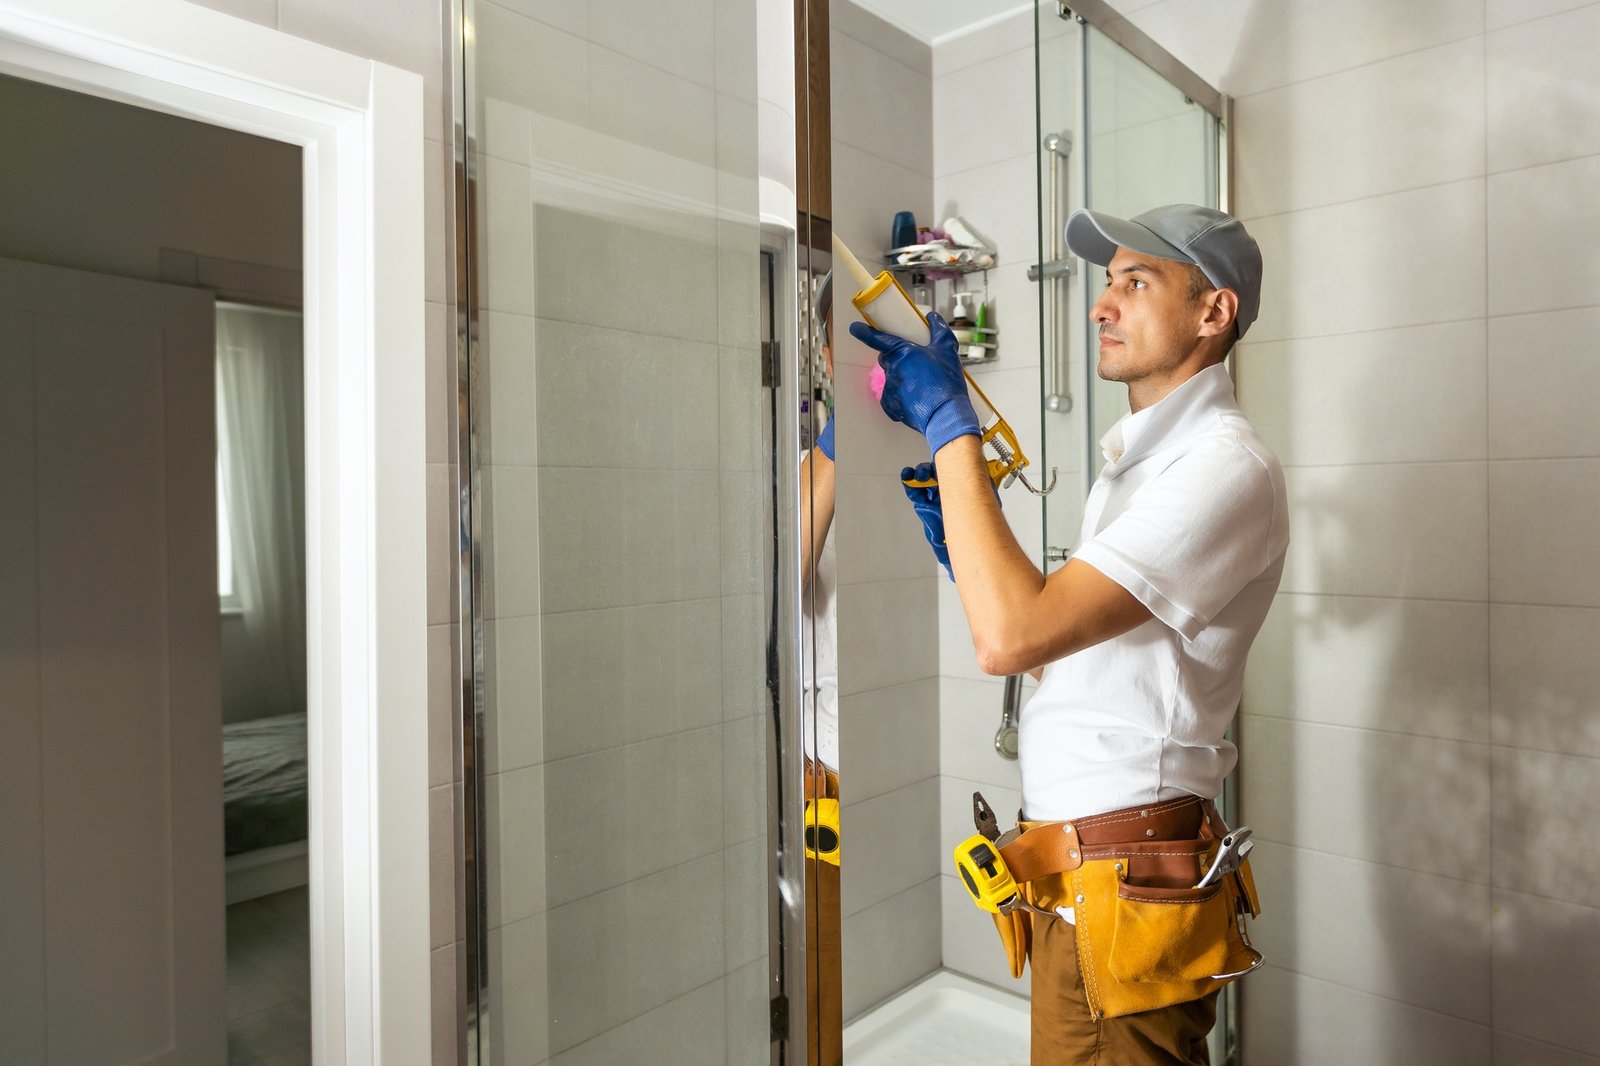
<point x="264" y="782"/>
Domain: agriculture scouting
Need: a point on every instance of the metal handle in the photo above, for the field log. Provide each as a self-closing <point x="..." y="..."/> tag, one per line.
<point x="1005" y="741"/>
<point x="1057" y="146"/>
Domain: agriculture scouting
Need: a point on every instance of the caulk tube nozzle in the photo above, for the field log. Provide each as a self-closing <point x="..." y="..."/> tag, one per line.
<point x="859" y="274"/>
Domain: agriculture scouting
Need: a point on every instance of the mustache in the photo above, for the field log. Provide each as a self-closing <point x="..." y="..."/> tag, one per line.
<point x="1107" y="331"/>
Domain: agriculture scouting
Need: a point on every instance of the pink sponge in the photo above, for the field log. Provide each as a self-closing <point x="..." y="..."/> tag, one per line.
<point x="875" y="380"/>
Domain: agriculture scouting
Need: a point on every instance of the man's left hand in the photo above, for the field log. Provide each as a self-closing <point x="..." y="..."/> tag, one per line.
<point x="923" y="385"/>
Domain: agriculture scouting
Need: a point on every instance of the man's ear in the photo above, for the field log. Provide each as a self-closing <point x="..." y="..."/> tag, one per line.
<point x="1222" y="309"/>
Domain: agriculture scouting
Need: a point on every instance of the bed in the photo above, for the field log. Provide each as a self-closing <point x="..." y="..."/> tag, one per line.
<point x="264" y="805"/>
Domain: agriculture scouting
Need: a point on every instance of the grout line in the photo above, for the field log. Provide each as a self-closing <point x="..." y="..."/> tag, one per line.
<point x="1488" y="498"/>
<point x="1475" y="461"/>
<point x="1387" y="998"/>
<point x="1445" y="599"/>
<point x="1480" y="32"/>
<point x="1346" y="727"/>
<point x="1406" y="191"/>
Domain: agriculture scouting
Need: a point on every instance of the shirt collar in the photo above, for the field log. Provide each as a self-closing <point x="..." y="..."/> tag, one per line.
<point x="1175" y="417"/>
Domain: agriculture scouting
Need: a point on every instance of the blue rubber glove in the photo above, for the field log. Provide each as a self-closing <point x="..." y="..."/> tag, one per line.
<point x="926" y="503"/>
<point x="825" y="438"/>
<point x="923" y="386"/>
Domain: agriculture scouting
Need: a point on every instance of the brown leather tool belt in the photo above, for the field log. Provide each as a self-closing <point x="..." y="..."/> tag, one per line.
<point x="1035" y="849"/>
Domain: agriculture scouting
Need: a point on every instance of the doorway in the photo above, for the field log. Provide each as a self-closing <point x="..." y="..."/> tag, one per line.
<point x="154" y="346"/>
<point x="356" y="120"/>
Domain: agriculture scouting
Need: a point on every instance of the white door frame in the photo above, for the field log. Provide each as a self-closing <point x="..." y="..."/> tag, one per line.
<point x="360" y="126"/>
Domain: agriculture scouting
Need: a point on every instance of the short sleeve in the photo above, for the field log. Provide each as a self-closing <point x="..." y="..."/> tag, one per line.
<point x="1193" y="537"/>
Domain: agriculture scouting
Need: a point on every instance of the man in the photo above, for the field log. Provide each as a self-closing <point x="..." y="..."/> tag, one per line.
<point x="1141" y="637"/>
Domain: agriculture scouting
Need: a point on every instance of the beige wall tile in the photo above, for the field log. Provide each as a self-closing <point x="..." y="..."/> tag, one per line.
<point x="1541" y="252"/>
<point x="880" y="36"/>
<point x="443" y="725"/>
<point x="888" y="946"/>
<point x="1290" y="1018"/>
<point x="1407" y="529"/>
<point x="646" y="943"/>
<point x="983" y="113"/>
<point x="889" y="739"/>
<point x="1342" y="137"/>
<point x="888" y="627"/>
<point x="627" y="674"/>
<point x="631" y="812"/>
<point x="442" y="867"/>
<point x="880" y="105"/>
<point x="1521" y="1051"/>
<point x="1313" y="399"/>
<point x="519" y="966"/>
<point x="1545" y="952"/>
<point x="1534" y="559"/>
<point x="1544" y="369"/>
<point x="1540" y="798"/>
<point x="1500" y="13"/>
<point x="1373" y="247"/>
<point x="442" y="540"/>
<point x="969" y="717"/>
<point x="513" y="671"/>
<point x="1541" y="90"/>
<point x="1243" y="47"/>
<point x="895" y="838"/>
<point x="1407" y="936"/>
<point x="643" y="540"/>
<point x="1406" y="666"/>
<point x="514" y="865"/>
<point x="1418" y="803"/>
<point x="1545" y="678"/>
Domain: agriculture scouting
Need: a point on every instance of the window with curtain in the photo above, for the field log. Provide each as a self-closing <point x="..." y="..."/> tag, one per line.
<point x="261" y="496"/>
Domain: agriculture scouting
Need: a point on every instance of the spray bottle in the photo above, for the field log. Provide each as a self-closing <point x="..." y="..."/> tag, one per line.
<point x="884" y="305"/>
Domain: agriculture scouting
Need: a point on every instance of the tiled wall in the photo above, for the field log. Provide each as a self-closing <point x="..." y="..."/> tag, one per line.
<point x="620" y="391"/>
<point x="410" y="34"/>
<point x="1420" y="755"/>
<point x="888" y="636"/>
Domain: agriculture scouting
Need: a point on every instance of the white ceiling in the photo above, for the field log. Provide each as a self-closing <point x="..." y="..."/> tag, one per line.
<point x="931" y="21"/>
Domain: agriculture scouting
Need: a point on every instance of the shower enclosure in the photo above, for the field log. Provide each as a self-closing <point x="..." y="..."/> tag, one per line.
<point x="645" y="194"/>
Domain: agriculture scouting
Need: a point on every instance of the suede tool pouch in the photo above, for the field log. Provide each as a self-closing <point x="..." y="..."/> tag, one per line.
<point x="1146" y="946"/>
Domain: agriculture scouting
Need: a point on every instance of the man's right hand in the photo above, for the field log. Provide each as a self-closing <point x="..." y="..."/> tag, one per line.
<point x="926" y="503"/>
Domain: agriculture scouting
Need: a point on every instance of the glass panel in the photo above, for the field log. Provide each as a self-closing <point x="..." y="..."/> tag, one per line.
<point x="1147" y="144"/>
<point x="623" y="513"/>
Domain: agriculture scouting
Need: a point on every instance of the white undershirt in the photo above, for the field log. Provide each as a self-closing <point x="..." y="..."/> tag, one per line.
<point x="1190" y="515"/>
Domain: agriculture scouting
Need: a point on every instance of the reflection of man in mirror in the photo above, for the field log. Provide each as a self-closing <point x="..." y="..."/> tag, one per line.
<point x="1139" y="641"/>
<point x="820" y="679"/>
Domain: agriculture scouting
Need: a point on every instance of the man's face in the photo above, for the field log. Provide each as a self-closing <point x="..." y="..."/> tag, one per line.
<point x="1148" y="321"/>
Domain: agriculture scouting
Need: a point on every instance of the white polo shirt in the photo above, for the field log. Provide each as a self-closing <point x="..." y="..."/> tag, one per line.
<point x="1189" y="514"/>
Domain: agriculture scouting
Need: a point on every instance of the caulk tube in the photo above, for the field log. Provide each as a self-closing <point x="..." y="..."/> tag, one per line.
<point x="883" y="303"/>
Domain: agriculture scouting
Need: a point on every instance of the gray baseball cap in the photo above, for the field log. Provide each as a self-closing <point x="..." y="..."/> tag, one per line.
<point x="1212" y="240"/>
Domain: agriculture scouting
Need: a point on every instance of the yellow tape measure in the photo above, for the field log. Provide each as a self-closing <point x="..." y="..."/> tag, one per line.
<point x="984" y="873"/>
<point x="822" y="830"/>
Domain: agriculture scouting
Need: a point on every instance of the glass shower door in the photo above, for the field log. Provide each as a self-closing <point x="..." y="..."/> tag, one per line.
<point x="1147" y="142"/>
<point x="620" y="501"/>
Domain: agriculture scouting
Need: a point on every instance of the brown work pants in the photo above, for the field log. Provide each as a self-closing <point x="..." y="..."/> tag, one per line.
<point x="1064" y="1033"/>
<point x="824" y="942"/>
